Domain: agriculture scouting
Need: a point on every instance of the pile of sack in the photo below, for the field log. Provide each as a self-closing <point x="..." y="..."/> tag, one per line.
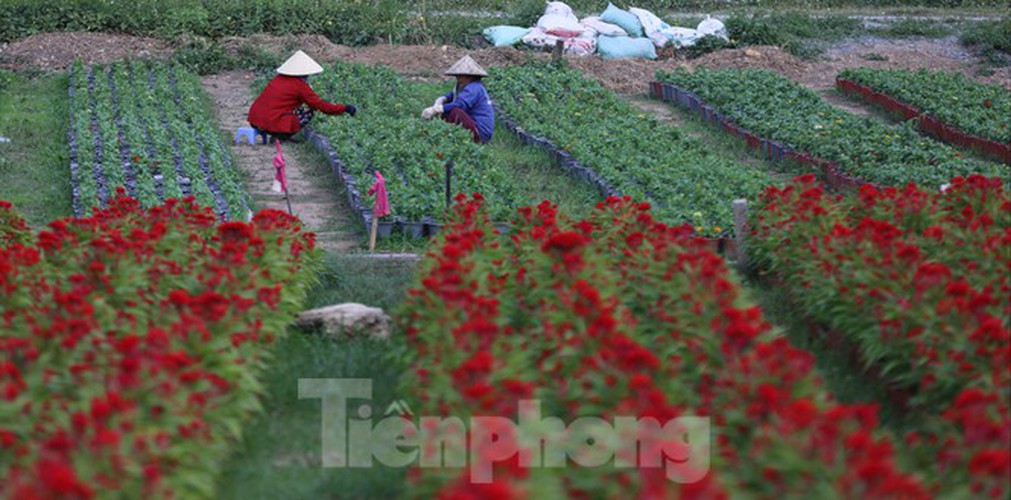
<point x="614" y="34"/>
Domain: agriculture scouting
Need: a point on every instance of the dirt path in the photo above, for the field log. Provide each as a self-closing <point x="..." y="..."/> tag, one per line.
<point x="847" y="105"/>
<point x="314" y="194"/>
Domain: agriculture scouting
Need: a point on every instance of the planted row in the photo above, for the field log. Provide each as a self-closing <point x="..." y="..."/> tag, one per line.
<point x="132" y="344"/>
<point x="619" y="315"/>
<point x="635" y="154"/>
<point x="918" y="281"/>
<point x="144" y="126"/>
<point x="774" y="107"/>
<point x="411" y="154"/>
<point x="954" y="98"/>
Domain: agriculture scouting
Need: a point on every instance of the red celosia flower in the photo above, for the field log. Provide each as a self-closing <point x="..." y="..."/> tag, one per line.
<point x="564" y="242"/>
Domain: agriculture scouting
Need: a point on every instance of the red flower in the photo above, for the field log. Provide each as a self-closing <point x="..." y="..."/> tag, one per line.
<point x="60" y="478"/>
<point x="564" y="242"/>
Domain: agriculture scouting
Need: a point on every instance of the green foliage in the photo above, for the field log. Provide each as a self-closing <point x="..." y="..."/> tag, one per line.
<point x="285" y="439"/>
<point x="204" y="57"/>
<point x="356" y="22"/>
<point x="637" y="154"/>
<point x="6" y="79"/>
<point x="157" y="137"/>
<point x="992" y="40"/>
<point x="773" y="106"/>
<point x="975" y="108"/>
<point x="706" y="45"/>
<point x="390" y="136"/>
<point x="798" y="32"/>
<point x="911" y="27"/>
<point x="34" y="164"/>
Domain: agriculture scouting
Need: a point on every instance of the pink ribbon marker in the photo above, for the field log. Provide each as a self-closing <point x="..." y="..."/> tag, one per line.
<point x="280" y="177"/>
<point x="381" y="207"/>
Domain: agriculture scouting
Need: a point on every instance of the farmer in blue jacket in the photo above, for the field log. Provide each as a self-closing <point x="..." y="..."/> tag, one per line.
<point x="468" y="105"/>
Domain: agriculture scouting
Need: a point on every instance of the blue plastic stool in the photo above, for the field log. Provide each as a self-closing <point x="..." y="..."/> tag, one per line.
<point x="250" y="134"/>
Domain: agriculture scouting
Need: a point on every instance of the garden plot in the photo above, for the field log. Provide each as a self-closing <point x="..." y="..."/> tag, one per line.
<point x="790" y="121"/>
<point x="916" y="282"/>
<point x="389" y="136"/>
<point x="620" y="315"/>
<point x="143" y="127"/>
<point x="132" y="354"/>
<point x="949" y="106"/>
<point x="613" y="144"/>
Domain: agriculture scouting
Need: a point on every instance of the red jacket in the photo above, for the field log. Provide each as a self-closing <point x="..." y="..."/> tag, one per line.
<point x="273" y="110"/>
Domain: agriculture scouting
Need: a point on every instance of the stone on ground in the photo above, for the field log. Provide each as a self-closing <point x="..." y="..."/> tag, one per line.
<point x="349" y="319"/>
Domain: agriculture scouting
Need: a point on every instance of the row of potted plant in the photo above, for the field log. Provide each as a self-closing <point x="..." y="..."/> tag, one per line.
<point x="411" y="154"/>
<point x="618" y="316"/>
<point x="630" y="152"/>
<point x="917" y="281"/>
<point x="133" y="125"/>
<point x="132" y="344"/>
<point x="773" y="107"/>
<point x="982" y="110"/>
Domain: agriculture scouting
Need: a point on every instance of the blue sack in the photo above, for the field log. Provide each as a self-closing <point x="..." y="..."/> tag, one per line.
<point x="622" y="47"/>
<point x="623" y="18"/>
<point x="502" y="36"/>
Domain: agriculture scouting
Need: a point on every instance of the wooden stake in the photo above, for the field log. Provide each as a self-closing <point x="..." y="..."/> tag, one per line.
<point x="287" y="200"/>
<point x="740" y="227"/>
<point x="556" y="54"/>
<point x="373" y="232"/>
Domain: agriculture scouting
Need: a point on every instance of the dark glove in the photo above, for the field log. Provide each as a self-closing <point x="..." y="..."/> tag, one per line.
<point x="350" y="109"/>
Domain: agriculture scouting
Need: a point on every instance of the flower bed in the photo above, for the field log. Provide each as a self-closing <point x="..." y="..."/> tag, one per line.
<point x="627" y="151"/>
<point x="412" y="155"/>
<point x="620" y="315"/>
<point x="950" y="106"/>
<point x="769" y="110"/>
<point x="918" y="282"/>
<point x="132" y="341"/>
<point x="143" y="126"/>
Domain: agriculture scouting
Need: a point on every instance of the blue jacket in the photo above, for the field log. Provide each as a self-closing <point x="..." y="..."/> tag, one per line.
<point x="474" y="100"/>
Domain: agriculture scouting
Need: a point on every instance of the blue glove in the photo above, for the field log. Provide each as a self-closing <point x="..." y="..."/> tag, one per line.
<point x="350" y="109"/>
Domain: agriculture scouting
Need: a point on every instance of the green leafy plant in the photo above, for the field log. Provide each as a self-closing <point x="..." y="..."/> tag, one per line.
<point x="636" y="154"/>
<point x="773" y="106"/>
<point x="991" y="39"/>
<point x="144" y="126"/>
<point x="976" y="108"/>
<point x="389" y="136"/>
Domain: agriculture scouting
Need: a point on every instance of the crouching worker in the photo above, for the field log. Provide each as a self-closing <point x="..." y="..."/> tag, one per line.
<point x="288" y="102"/>
<point x="468" y="105"/>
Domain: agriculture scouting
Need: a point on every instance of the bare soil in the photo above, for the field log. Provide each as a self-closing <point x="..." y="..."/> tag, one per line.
<point x="55" y="51"/>
<point x="313" y="197"/>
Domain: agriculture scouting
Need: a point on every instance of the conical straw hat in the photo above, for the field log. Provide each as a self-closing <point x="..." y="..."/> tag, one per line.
<point x="466" y="66"/>
<point x="299" y="64"/>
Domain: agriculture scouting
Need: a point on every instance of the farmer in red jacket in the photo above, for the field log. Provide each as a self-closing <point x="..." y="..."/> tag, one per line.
<point x="279" y="110"/>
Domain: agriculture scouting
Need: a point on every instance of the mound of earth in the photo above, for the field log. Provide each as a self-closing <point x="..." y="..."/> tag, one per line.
<point x="414" y="60"/>
<point x="57" y="51"/>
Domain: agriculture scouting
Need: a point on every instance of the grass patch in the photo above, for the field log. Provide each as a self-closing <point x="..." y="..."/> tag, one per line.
<point x="992" y="40"/>
<point x="34" y="165"/>
<point x="797" y="32"/>
<point x="280" y="453"/>
<point x="911" y="27"/>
